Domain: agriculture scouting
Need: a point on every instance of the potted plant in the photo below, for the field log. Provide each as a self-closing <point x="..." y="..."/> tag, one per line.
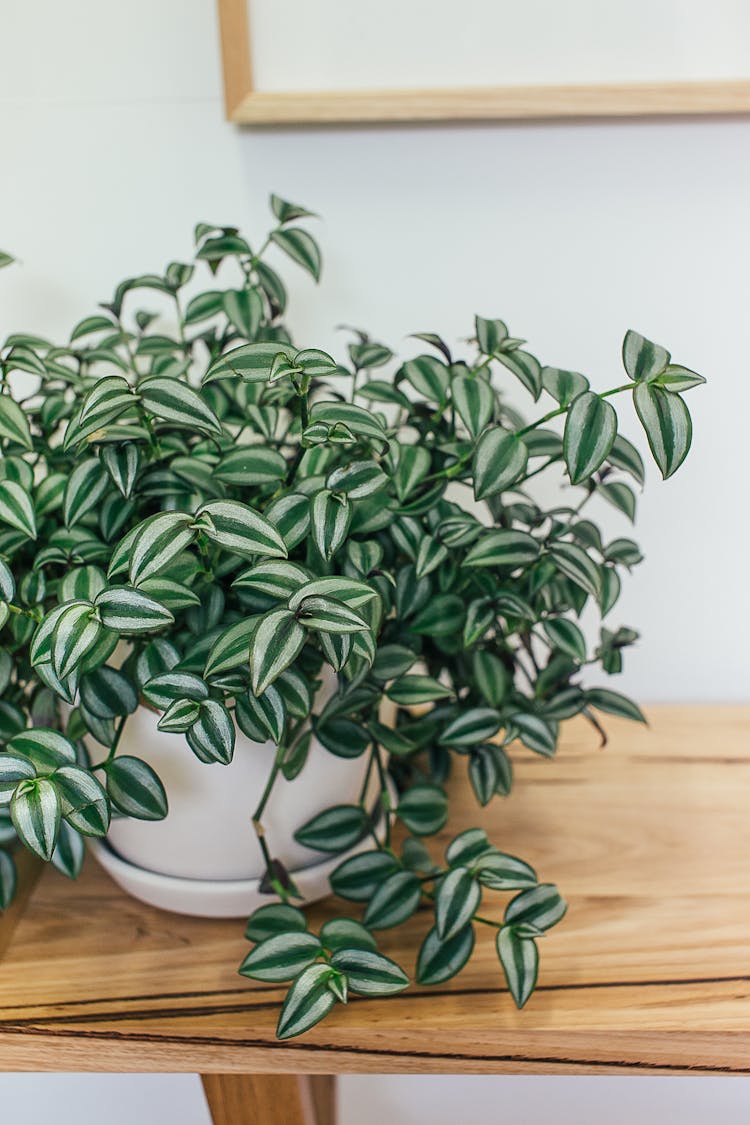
<point x="216" y="547"/>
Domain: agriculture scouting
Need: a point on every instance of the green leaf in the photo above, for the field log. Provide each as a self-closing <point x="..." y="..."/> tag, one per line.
<point x="301" y="248"/>
<point x="491" y="334"/>
<point x="519" y="958"/>
<point x="281" y="957"/>
<point x="333" y="830"/>
<point x="164" y="688"/>
<point x="423" y="809"/>
<point x="352" y="591"/>
<point x="156" y="543"/>
<point x="330" y="615"/>
<point x="240" y="529"/>
<point x="87" y="484"/>
<point x="541" y="907"/>
<point x="409" y="691"/>
<point x="675" y="378"/>
<point x="14" y="768"/>
<point x="125" y="610"/>
<point x="16" y="508"/>
<point x="107" y="400"/>
<point x="286" y="212"/>
<point x="499" y="461"/>
<point x="8" y="877"/>
<point x="467" y="847"/>
<point x="250" y="362"/>
<point x="526" y="369"/>
<point x="501" y="872"/>
<point x="291" y="516"/>
<point x="212" y="736"/>
<point x="575" y="564"/>
<point x="251" y="465"/>
<point x="535" y="732"/>
<point x="429" y="377"/>
<point x="503" y="548"/>
<point x="83" y="801"/>
<point x="566" y="636"/>
<point x="275" y="918"/>
<point x="358" y="878"/>
<point x="346" y="933"/>
<point x="441" y="616"/>
<point x="14" y="425"/>
<point x="643" y="360"/>
<point x="135" y="789"/>
<point x="614" y="704"/>
<point x="244" y="309"/>
<point x="590" y="431"/>
<point x="666" y="420"/>
<point x="370" y="973"/>
<point x="308" y="1001"/>
<point x="357" y="480"/>
<point x="394" y="901"/>
<point x="623" y="455"/>
<point x="564" y="386"/>
<point x="262" y="717"/>
<point x="76" y="631"/>
<point x="107" y="693"/>
<point x="276" y="643"/>
<point x="231" y="649"/>
<point x="342" y="737"/>
<point x="483" y="773"/>
<point x="457" y="900"/>
<point x="471" y="727"/>
<point x="331" y="518"/>
<point x="275" y="578"/>
<point x="46" y="749"/>
<point x="474" y="400"/>
<point x="35" y="812"/>
<point x="362" y="423"/>
<point x="440" y="960"/>
<point x="621" y="496"/>
<point x="175" y="402"/>
<point x="180" y="716"/>
<point x="203" y="306"/>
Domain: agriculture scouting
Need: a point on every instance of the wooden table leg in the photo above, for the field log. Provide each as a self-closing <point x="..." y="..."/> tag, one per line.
<point x="270" y="1099"/>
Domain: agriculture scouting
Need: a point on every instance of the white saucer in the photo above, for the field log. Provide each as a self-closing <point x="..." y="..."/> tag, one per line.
<point x="206" y="898"/>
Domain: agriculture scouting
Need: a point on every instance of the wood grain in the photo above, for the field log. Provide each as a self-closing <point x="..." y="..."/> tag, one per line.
<point x="248" y="106"/>
<point x="257" y="1099"/>
<point x="649" y="840"/>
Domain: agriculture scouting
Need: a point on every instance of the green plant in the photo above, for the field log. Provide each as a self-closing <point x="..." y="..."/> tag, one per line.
<point x="238" y="513"/>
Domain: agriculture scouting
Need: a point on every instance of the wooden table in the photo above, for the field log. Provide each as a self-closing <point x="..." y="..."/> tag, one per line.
<point x="648" y="839"/>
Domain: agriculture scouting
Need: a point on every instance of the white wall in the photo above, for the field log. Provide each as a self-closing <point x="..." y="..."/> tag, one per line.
<point x="113" y="144"/>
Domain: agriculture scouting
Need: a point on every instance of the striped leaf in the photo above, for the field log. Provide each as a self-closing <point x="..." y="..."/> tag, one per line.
<point x="474" y="400"/>
<point x="16" y="508"/>
<point x="87" y="484"/>
<point x="203" y="306"/>
<point x="108" y="693"/>
<point x="46" y="749"/>
<point x="352" y="591"/>
<point x="276" y="643"/>
<point x="175" y="402"/>
<point x="394" y="901"/>
<point x="35" y="812"/>
<point x="430" y="555"/>
<point x="541" y="907"/>
<point x="490" y="334"/>
<point x="301" y="247"/>
<point x="291" y="516"/>
<point x="519" y="958"/>
<point x="566" y="636"/>
<point x="251" y="465"/>
<point x="564" y="386"/>
<point x="358" y="878"/>
<point x="126" y="610"/>
<point x="667" y="423"/>
<point x="578" y="566"/>
<point x="121" y="462"/>
<point x="369" y="973"/>
<point x="642" y="359"/>
<point x="154" y="544"/>
<point x="409" y="691"/>
<point x="467" y="847"/>
<point x="135" y="789"/>
<point x="180" y="716"/>
<point x="14" y="768"/>
<point x="499" y="461"/>
<point x="240" y="529"/>
<point x="14" y="425"/>
<point x="244" y="309"/>
<point x="590" y="431"/>
<point x="620" y="496"/>
<point x="262" y="717"/>
<point x="251" y="362"/>
<point x="7" y="582"/>
<point x="76" y="631"/>
<point x="361" y="422"/>
<point x="412" y="467"/>
<point x="162" y="689"/>
<point x="281" y="957"/>
<point x="357" y="480"/>
<point x="83" y="801"/>
<point x="342" y="737"/>
<point x="526" y="369"/>
<point x="458" y="898"/>
<point x="502" y="872"/>
<point x="503" y="548"/>
<point x="441" y="616"/>
<point x="331" y="517"/>
<point x="212" y="736"/>
<point x="107" y="400"/>
<point x="172" y="595"/>
<point x="277" y="579"/>
<point x="535" y="732"/>
<point x="423" y="809"/>
<point x="275" y="918"/>
<point x="334" y="830"/>
<point x="675" y="378"/>
<point x="471" y="727"/>
<point x="346" y="933"/>
<point x="624" y="455"/>
<point x="329" y="615"/>
<point x="429" y="377"/>
<point x="82" y="583"/>
<point x="440" y="960"/>
<point x="308" y="1001"/>
<point x="8" y="880"/>
<point x="69" y="852"/>
<point x="231" y="649"/>
<point x="613" y="703"/>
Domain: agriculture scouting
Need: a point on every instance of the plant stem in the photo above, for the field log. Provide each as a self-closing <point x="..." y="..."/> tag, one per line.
<point x="564" y="409"/>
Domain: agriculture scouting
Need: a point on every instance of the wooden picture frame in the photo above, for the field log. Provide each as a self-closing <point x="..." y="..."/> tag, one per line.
<point x="247" y="106"/>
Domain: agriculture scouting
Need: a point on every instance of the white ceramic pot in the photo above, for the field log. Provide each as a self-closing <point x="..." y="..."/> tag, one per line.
<point x="204" y="857"/>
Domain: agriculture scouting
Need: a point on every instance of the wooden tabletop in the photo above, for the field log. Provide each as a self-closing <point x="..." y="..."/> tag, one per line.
<point x="649" y="840"/>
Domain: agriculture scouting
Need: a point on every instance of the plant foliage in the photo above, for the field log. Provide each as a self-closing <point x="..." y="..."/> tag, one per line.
<point x="197" y="515"/>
